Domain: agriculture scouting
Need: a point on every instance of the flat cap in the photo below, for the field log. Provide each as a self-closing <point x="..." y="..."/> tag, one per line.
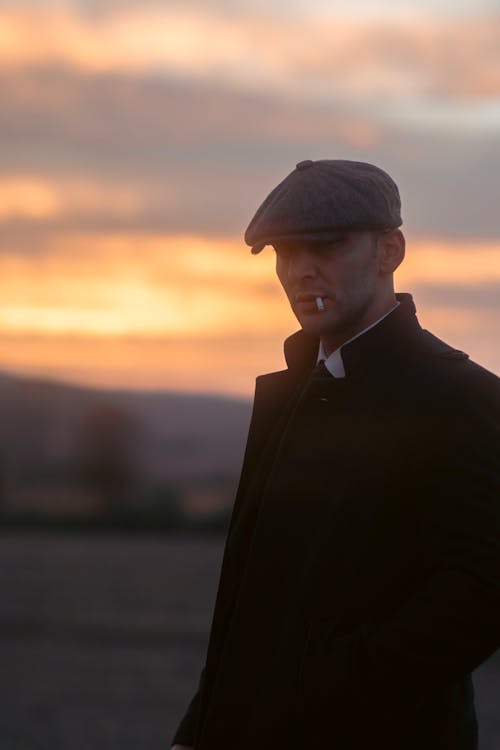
<point x="320" y="198"/>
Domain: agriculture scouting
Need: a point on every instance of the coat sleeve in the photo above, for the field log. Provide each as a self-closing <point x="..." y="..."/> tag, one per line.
<point x="186" y="731"/>
<point x="452" y="624"/>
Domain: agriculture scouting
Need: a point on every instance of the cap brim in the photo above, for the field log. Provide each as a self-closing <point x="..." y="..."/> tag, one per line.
<point x="314" y="236"/>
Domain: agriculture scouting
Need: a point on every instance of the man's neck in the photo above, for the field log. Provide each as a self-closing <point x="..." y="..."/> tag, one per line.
<point x="328" y="347"/>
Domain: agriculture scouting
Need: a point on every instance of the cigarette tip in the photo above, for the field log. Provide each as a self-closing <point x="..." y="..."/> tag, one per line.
<point x="320" y="304"/>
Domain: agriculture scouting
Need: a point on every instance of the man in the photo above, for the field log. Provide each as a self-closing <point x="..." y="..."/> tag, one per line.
<point x="361" y="577"/>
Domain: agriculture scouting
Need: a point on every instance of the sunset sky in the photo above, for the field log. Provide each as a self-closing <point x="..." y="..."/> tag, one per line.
<point x="138" y="138"/>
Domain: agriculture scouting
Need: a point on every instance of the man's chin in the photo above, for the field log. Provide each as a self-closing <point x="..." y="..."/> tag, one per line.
<point x="315" y="325"/>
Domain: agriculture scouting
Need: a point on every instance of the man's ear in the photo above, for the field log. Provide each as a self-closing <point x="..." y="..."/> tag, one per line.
<point x="391" y="250"/>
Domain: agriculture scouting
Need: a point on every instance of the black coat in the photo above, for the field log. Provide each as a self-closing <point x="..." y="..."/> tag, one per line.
<point x="361" y="578"/>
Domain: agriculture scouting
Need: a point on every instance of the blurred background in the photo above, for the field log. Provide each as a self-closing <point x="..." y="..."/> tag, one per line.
<point x="136" y="141"/>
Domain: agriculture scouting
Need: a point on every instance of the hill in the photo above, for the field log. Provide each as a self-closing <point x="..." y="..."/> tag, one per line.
<point x="74" y="450"/>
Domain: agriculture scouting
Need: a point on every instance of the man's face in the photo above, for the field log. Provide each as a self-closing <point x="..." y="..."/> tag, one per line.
<point x="346" y="275"/>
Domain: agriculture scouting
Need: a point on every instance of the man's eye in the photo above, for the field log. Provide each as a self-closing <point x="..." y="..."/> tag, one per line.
<point x="332" y="244"/>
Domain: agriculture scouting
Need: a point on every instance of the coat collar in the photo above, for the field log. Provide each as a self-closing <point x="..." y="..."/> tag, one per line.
<point x="376" y="349"/>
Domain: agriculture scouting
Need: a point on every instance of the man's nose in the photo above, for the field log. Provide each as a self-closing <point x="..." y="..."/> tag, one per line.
<point x="301" y="264"/>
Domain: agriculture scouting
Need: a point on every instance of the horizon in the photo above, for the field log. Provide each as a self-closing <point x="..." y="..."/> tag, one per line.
<point x="58" y="382"/>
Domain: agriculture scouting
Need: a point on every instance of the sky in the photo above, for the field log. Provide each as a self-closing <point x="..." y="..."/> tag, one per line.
<point x="137" y="140"/>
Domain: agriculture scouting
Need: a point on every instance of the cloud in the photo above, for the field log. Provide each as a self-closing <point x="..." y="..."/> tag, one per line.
<point x="309" y="57"/>
<point x="93" y="110"/>
<point x="122" y="285"/>
<point x="308" y="8"/>
<point x="181" y="116"/>
<point x="139" y="138"/>
<point x="144" y="310"/>
<point x="479" y="297"/>
<point x="32" y="197"/>
<point x="184" y="285"/>
<point x="451" y="265"/>
<point x="142" y="153"/>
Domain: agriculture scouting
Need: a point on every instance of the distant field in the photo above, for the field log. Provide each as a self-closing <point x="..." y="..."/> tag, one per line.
<point x="102" y="638"/>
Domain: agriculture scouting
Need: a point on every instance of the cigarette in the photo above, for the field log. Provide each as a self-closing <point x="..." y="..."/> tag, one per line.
<point x="320" y="304"/>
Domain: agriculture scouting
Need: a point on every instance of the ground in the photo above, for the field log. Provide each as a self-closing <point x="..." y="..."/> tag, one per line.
<point x="102" y="638"/>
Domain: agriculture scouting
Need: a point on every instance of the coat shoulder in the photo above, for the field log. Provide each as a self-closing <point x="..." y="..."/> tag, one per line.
<point x="439" y="348"/>
<point x="454" y="373"/>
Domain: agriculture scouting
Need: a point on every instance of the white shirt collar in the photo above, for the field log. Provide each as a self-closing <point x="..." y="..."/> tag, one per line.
<point x="334" y="363"/>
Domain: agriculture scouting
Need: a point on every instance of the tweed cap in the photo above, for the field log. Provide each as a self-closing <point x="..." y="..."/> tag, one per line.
<point x="320" y="198"/>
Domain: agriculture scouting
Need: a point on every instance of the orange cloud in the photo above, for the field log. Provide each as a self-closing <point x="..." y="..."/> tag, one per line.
<point x="130" y="39"/>
<point x="179" y="285"/>
<point x="458" y="262"/>
<point x="191" y="313"/>
<point x="209" y="364"/>
<point x="32" y="197"/>
<point x="331" y="56"/>
<point x="136" y="284"/>
<point x="28" y="197"/>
